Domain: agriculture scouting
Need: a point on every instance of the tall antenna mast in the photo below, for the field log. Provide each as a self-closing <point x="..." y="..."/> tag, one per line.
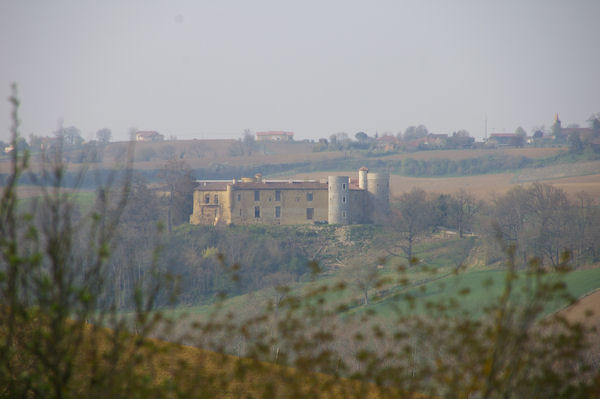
<point x="486" y="126"/>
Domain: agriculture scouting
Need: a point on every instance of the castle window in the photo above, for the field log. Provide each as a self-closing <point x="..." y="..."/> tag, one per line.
<point x="239" y="197"/>
<point x="256" y="195"/>
<point x="344" y="214"/>
<point x="277" y="211"/>
<point x="310" y="213"/>
<point x="207" y="199"/>
<point x="277" y="195"/>
<point x="343" y="186"/>
<point x="344" y="199"/>
<point x="309" y="196"/>
<point x="240" y="212"/>
<point x="257" y="211"/>
<point x="216" y="198"/>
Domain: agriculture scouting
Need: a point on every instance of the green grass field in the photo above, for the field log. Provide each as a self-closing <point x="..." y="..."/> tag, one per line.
<point x="434" y="280"/>
<point x="484" y="287"/>
<point x="84" y="199"/>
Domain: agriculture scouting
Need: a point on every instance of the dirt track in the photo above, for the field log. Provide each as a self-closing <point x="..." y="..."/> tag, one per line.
<point x="586" y="310"/>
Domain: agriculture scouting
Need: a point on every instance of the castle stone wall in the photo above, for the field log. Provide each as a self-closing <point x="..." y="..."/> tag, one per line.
<point x="296" y="206"/>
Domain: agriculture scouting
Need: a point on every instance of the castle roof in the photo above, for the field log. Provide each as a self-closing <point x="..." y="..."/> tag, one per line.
<point x="276" y="185"/>
<point x="221" y="185"/>
<point x="264" y="185"/>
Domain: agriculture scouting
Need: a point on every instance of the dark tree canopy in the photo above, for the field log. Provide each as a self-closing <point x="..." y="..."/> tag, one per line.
<point x="177" y="177"/>
<point x="104" y="135"/>
<point x="415" y="132"/>
<point x="361" y="137"/>
<point x="70" y="136"/>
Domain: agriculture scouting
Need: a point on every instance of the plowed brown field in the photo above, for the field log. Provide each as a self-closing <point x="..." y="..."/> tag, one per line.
<point x="483" y="186"/>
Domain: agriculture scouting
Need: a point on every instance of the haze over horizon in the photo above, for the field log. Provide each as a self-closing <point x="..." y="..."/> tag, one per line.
<point x="211" y="69"/>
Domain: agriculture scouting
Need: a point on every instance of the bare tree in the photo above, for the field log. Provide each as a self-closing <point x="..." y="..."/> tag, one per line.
<point x="548" y="221"/>
<point x="413" y="218"/>
<point x="363" y="275"/>
<point x="246" y="145"/>
<point x="586" y="229"/>
<point x="415" y="132"/>
<point x="177" y="177"/>
<point x="276" y="286"/>
<point x="463" y="208"/>
<point x="70" y="137"/>
<point x="104" y="135"/>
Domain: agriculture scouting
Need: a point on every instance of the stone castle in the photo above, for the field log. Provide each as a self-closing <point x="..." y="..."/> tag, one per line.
<point x="336" y="200"/>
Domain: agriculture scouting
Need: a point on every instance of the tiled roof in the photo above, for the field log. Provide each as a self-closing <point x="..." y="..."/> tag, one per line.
<point x="267" y="185"/>
<point x="581" y="130"/>
<point x="280" y="186"/>
<point x="221" y="185"/>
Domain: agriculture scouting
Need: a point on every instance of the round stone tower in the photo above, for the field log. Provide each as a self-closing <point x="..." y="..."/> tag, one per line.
<point x="339" y="200"/>
<point x="362" y="177"/>
<point x="378" y="186"/>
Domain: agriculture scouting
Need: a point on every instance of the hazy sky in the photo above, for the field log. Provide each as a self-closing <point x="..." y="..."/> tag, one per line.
<point x="210" y="69"/>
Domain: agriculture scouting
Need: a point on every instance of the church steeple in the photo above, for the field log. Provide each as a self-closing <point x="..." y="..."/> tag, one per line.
<point x="556" y="128"/>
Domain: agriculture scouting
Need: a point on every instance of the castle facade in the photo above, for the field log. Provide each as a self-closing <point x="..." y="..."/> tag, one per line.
<point x="336" y="200"/>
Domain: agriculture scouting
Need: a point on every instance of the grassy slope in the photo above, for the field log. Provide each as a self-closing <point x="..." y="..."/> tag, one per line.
<point x="484" y="286"/>
<point x="433" y="280"/>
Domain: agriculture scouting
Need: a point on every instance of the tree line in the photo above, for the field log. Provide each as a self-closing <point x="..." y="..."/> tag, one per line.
<point x="539" y="219"/>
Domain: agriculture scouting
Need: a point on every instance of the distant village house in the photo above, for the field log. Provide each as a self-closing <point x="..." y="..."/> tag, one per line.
<point x="582" y="132"/>
<point x="148" y="136"/>
<point x="274" y="136"/>
<point x="503" y="138"/>
<point x="387" y="143"/>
